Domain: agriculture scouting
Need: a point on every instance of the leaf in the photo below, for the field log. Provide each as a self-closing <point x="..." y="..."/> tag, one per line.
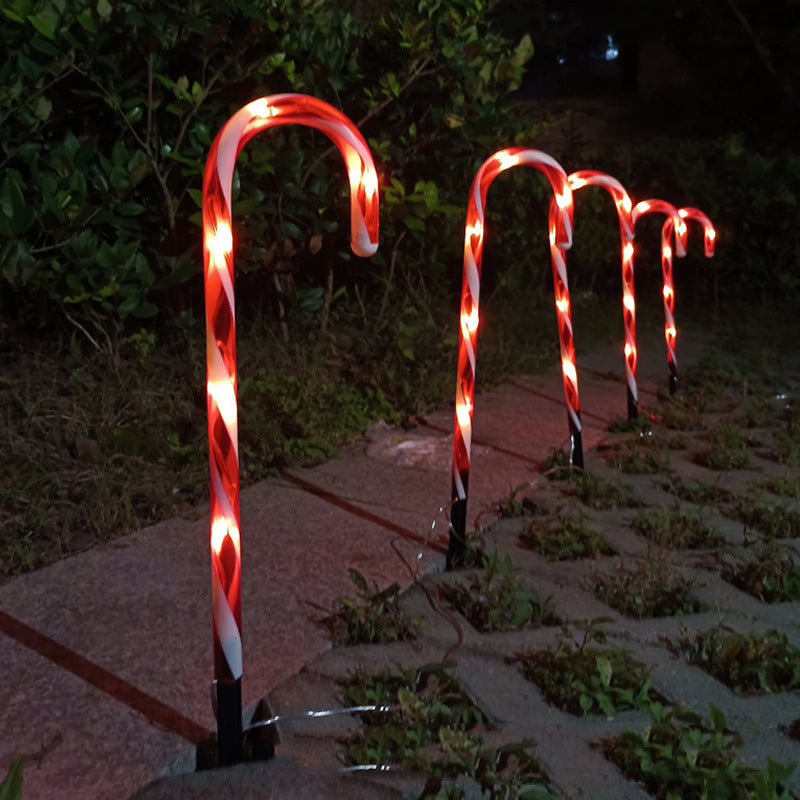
<point x="43" y="25"/>
<point x="605" y="669"/>
<point x="11" y="787"/>
<point x="104" y="8"/>
<point x="42" y="108"/>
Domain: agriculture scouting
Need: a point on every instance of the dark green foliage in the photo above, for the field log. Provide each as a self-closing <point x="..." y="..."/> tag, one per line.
<point x="772" y="576"/>
<point x="496" y="599"/>
<point x="652" y="589"/>
<point x="432" y="727"/>
<point x="373" y="617"/>
<point x="600" y="494"/>
<point x="759" y="663"/>
<point x="565" y="537"/>
<point x="697" y="492"/>
<point x="774" y="520"/>
<point x="728" y="449"/>
<point x="676" y="529"/>
<point x="681" y="756"/>
<point x="11" y="787"/>
<point x="589" y="680"/>
<point x="109" y="110"/>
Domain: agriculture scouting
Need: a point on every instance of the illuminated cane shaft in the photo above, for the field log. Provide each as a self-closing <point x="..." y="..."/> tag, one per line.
<point x="222" y="407"/>
<point x="623" y="205"/>
<point x="670" y="329"/>
<point x="561" y="233"/>
<point x="569" y="368"/>
<point x="674" y="224"/>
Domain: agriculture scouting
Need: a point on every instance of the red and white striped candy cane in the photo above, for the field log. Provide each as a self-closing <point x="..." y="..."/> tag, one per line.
<point x="709" y="237"/>
<point x="678" y="226"/>
<point x="560" y="223"/>
<point x="225" y="544"/>
<point x="590" y="177"/>
<point x="709" y="232"/>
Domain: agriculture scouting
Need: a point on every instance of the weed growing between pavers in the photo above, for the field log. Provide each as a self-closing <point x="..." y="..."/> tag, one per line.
<point x="682" y="756"/>
<point x="642" y="456"/>
<point x="676" y="415"/>
<point x="517" y="504"/>
<point x="600" y="494"/>
<point x="773" y="520"/>
<point x="755" y="412"/>
<point x="675" y="529"/>
<point x="703" y="494"/>
<point x="641" y="425"/>
<point x="556" y="466"/>
<point x="372" y="618"/>
<point x="589" y="680"/>
<point x="651" y="589"/>
<point x="496" y="599"/>
<point x="749" y="664"/>
<point x="783" y="485"/>
<point x="568" y="536"/>
<point x="728" y="449"/>
<point x="432" y="727"/>
<point x="772" y="576"/>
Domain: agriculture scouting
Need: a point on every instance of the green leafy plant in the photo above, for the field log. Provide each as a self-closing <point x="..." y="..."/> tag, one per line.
<point x="587" y="679"/>
<point x="639" y="424"/>
<point x="434" y="728"/>
<point x="774" y="520"/>
<point x="645" y="455"/>
<point x="728" y="449"/>
<point x="373" y="617"/>
<point x="517" y="504"/>
<point x="567" y="536"/>
<point x="676" y="415"/>
<point x="783" y="485"/>
<point x="651" y="589"/>
<point x="675" y="529"/>
<point x="600" y="494"/>
<point x="697" y="492"/>
<point x="556" y="466"/>
<point x="11" y="787"/>
<point x="681" y="756"/>
<point x="758" y="663"/>
<point x="772" y="576"/>
<point x="496" y="599"/>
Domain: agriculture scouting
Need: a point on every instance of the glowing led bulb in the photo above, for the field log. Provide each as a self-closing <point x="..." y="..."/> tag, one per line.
<point x="628" y="349"/>
<point x="568" y="368"/>
<point x="562" y="304"/>
<point x="369" y="181"/>
<point x="667" y="292"/>
<point x="641" y="208"/>
<point x="627" y="251"/>
<point x="508" y="160"/>
<point x="220" y="242"/>
<point x="224" y="398"/>
<point x="626" y="203"/>
<point x="476" y="229"/>
<point x="220" y="529"/>
<point x="464" y="414"/>
<point x="629" y="302"/>
<point x="670" y="331"/>
<point x="469" y="322"/>
<point x="261" y="108"/>
<point x="667" y="251"/>
<point x="562" y="201"/>
<point x="711" y="234"/>
<point x="576" y="183"/>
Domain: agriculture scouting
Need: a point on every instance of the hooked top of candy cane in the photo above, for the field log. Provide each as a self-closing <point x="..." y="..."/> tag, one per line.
<point x="709" y="232"/>
<point x="301" y="109"/>
<point x="591" y="177"/>
<point x="663" y="207"/>
<point x="553" y="171"/>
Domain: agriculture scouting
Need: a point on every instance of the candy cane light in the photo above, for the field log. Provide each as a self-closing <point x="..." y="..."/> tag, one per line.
<point x="224" y="540"/>
<point x="709" y="239"/>
<point x="676" y="224"/>
<point x="622" y="202"/>
<point x="560" y="224"/>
